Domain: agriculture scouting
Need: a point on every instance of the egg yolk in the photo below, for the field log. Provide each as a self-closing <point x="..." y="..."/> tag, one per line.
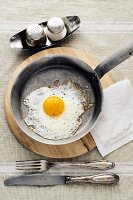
<point x="53" y="106"/>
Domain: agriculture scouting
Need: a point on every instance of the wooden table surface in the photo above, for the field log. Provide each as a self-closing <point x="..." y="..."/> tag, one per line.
<point x="105" y="27"/>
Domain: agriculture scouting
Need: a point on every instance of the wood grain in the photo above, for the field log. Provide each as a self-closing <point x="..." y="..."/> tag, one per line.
<point x="74" y="149"/>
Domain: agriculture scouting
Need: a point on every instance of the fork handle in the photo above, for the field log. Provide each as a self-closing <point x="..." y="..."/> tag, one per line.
<point x="95" y="179"/>
<point x="97" y="165"/>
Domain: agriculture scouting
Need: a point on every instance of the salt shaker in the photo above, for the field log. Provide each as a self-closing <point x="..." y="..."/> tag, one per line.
<point x="35" y="35"/>
<point x="56" y="29"/>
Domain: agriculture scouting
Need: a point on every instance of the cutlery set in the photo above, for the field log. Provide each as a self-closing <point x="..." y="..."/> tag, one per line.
<point x="33" y="173"/>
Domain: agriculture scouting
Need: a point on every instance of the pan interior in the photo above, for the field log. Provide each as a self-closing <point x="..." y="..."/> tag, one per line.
<point x="39" y="74"/>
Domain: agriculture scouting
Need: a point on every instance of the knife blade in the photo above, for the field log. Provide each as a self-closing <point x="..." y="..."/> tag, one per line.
<point x="35" y="180"/>
<point x="45" y="180"/>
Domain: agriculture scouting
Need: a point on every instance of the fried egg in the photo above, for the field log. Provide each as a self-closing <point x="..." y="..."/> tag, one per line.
<point x="56" y="112"/>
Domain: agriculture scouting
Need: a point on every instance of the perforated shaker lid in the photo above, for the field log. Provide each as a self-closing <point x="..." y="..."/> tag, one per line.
<point x="55" y="25"/>
<point x="34" y="31"/>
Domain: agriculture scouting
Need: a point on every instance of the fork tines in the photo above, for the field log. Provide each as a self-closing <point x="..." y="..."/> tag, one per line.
<point x="29" y="165"/>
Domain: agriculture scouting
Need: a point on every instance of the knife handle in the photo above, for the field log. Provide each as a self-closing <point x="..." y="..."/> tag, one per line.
<point x="95" y="179"/>
<point x="97" y="165"/>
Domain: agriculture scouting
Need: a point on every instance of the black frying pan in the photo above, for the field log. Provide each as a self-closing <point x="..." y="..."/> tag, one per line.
<point x="46" y="70"/>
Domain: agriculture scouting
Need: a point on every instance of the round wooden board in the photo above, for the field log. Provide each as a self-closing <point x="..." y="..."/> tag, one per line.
<point x="74" y="149"/>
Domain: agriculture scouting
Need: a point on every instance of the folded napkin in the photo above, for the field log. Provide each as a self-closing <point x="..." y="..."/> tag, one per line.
<point x="115" y="124"/>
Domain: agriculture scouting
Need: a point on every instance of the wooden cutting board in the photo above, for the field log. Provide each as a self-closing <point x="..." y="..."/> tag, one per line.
<point x="74" y="149"/>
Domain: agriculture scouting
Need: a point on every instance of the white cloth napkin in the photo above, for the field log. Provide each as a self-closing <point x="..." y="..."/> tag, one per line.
<point x="115" y="124"/>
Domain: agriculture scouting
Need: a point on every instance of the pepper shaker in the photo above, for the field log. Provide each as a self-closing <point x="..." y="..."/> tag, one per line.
<point x="35" y="35"/>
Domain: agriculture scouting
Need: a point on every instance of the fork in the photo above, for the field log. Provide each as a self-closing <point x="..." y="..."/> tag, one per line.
<point x="33" y="166"/>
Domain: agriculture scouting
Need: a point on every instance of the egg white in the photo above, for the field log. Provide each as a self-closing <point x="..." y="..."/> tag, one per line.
<point x="62" y="126"/>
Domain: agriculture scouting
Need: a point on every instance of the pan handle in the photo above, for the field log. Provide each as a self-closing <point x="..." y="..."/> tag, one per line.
<point x="114" y="60"/>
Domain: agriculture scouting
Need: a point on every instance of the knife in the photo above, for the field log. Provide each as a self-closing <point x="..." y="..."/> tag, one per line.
<point x="45" y="180"/>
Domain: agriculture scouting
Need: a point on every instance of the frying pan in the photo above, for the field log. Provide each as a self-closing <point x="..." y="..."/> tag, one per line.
<point x="47" y="70"/>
